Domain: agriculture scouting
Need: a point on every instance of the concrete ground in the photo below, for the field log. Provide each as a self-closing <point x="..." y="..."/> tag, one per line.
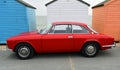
<point x="106" y="60"/>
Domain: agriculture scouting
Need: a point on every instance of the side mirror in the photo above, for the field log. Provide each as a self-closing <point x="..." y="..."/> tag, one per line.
<point x="92" y="33"/>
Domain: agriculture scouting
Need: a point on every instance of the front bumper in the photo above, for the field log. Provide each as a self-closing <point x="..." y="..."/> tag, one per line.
<point x="110" y="46"/>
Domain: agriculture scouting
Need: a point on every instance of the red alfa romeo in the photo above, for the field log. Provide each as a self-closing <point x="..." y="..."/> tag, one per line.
<point x="60" y="37"/>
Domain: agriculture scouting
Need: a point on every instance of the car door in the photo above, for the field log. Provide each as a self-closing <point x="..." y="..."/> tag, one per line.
<point x="80" y="35"/>
<point x="59" y="39"/>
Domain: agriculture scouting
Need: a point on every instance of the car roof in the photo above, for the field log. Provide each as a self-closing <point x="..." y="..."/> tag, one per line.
<point x="77" y="23"/>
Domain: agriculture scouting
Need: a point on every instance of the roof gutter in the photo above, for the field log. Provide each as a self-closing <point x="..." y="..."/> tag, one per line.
<point x="98" y="6"/>
<point x="57" y="0"/>
<point x="26" y="4"/>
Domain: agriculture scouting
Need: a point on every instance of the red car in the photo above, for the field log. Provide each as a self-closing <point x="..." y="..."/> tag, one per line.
<point x="60" y="37"/>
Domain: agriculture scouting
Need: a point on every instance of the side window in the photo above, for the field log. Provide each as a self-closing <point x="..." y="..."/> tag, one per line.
<point x="61" y="29"/>
<point x="79" y="29"/>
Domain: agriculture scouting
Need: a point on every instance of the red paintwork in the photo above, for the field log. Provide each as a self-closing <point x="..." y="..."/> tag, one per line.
<point x="43" y="43"/>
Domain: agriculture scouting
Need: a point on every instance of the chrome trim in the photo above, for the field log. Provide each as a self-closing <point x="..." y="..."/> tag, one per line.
<point x="107" y="46"/>
<point x="70" y="36"/>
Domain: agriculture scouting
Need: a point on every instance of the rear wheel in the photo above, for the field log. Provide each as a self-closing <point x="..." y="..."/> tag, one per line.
<point x="24" y="51"/>
<point x="90" y="50"/>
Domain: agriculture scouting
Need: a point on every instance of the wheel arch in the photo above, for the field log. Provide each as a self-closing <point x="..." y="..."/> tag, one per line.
<point x="23" y="43"/>
<point x="96" y="42"/>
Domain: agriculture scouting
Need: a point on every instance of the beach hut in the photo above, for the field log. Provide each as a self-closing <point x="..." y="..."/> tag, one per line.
<point x="106" y="18"/>
<point x="16" y="16"/>
<point x="68" y="10"/>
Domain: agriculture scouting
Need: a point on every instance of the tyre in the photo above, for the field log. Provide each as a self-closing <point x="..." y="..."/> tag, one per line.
<point x="90" y="50"/>
<point x="24" y="51"/>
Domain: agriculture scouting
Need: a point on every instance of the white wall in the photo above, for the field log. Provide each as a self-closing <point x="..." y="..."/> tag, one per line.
<point x="41" y="21"/>
<point x="68" y="10"/>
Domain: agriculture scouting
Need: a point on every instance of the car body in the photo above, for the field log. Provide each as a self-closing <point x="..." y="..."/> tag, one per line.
<point x="61" y="37"/>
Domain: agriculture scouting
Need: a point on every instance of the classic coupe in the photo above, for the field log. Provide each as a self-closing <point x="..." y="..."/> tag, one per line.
<point x="60" y="37"/>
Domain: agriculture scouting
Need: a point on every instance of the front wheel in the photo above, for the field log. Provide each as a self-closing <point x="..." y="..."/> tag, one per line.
<point x="24" y="51"/>
<point x="90" y="50"/>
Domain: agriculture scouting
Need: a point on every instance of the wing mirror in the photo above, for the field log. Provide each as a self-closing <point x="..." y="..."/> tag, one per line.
<point x="92" y="33"/>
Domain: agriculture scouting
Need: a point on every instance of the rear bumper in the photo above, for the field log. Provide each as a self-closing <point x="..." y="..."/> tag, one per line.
<point x="109" y="46"/>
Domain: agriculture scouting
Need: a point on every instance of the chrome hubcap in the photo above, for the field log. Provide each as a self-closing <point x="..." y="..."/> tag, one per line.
<point x="24" y="51"/>
<point x="90" y="50"/>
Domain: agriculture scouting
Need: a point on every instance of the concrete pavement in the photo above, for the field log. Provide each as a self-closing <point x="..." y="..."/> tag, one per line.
<point x="106" y="60"/>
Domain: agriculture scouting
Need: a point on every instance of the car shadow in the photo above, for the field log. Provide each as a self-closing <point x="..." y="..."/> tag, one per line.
<point x="102" y="54"/>
<point x="57" y="55"/>
<point x="73" y="55"/>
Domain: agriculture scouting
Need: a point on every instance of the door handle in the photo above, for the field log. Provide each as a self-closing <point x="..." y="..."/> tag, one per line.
<point x="70" y="36"/>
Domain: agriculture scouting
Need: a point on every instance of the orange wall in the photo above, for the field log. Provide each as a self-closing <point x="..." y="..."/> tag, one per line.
<point x="98" y="19"/>
<point x="113" y="20"/>
<point x="110" y="21"/>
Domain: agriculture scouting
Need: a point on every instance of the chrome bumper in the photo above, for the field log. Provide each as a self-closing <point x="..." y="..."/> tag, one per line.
<point x="110" y="46"/>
